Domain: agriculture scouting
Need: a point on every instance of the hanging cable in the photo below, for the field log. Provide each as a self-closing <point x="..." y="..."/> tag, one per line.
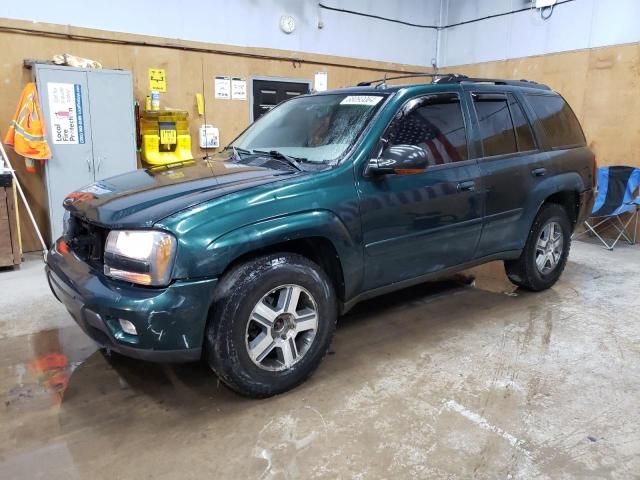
<point x="378" y="17"/>
<point x="444" y="27"/>
<point x="548" y="9"/>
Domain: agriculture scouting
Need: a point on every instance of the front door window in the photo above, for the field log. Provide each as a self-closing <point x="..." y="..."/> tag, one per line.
<point x="435" y="124"/>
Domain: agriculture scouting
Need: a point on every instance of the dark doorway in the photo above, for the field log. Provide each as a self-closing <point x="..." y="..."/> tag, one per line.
<point x="268" y="93"/>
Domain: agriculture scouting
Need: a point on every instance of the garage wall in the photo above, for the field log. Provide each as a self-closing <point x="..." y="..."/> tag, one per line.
<point x="255" y="23"/>
<point x="574" y="25"/>
<point x="601" y="84"/>
<point x="188" y="65"/>
<point x="587" y="50"/>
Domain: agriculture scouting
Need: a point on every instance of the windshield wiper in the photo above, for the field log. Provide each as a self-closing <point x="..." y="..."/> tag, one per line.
<point x="293" y="161"/>
<point x="236" y="151"/>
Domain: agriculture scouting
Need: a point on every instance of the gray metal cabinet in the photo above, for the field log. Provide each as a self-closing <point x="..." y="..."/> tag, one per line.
<point x="90" y="129"/>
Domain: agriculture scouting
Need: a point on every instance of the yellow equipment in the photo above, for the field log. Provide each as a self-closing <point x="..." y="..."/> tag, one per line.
<point x="165" y="137"/>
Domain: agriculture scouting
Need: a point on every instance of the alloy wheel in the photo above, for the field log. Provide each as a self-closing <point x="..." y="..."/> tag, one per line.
<point x="549" y="247"/>
<point x="282" y="327"/>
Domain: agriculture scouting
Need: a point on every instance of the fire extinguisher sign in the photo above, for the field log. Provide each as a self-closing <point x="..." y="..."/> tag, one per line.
<point x="65" y="112"/>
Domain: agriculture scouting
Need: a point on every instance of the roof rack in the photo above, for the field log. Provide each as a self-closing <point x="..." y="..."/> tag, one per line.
<point x="382" y="81"/>
<point x="443" y="78"/>
<point x="456" y="78"/>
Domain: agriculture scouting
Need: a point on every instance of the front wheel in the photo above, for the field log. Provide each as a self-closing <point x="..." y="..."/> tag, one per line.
<point x="546" y="251"/>
<point x="272" y="321"/>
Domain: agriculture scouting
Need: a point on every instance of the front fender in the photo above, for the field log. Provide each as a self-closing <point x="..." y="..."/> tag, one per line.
<point x="315" y="223"/>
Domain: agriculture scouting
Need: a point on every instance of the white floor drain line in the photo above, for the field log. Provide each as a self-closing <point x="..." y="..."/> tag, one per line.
<point x="484" y="424"/>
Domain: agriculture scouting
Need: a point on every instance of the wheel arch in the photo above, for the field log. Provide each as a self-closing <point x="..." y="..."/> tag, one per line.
<point x="563" y="189"/>
<point x="319" y="250"/>
<point x="319" y="236"/>
<point x="569" y="200"/>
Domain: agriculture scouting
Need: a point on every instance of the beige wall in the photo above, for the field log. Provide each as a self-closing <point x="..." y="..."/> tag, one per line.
<point x="186" y="71"/>
<point x="601" y="84"/>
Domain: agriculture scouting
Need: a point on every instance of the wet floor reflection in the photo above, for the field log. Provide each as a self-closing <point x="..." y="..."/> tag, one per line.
<point x="50" y="358"/>
<point x="58" y="385"/>
<point x="42" y="364"/>
<point x="523" y="366"/>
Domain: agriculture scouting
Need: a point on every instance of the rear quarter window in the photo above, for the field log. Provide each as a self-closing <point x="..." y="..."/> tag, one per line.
<point x="558" y="120"/>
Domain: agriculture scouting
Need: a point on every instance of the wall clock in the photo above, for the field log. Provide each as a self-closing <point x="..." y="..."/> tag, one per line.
<point x="287" y="23"/>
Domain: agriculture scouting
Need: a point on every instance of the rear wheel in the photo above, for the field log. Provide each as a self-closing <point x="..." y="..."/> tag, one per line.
<point x="546" y="251"/>
<point x="272" y="322"/>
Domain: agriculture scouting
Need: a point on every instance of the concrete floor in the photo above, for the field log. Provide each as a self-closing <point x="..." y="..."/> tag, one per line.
<point x="439" y="381"/>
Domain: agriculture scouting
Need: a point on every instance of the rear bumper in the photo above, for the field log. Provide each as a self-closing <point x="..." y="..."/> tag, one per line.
<point x="586" y="205"/>
<point x="170" y="321"/>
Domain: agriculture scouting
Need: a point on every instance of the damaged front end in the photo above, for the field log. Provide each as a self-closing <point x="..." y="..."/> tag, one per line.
<point x="158" y="324"/>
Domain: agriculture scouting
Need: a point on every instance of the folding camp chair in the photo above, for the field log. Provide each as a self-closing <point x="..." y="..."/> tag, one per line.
<point x="616" y="188"/>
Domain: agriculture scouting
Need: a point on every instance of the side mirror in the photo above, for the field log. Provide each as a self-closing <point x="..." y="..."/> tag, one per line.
<point x="399" y="160"/>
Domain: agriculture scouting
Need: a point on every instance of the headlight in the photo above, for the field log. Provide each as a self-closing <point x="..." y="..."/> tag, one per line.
<point x="140" y="256"/>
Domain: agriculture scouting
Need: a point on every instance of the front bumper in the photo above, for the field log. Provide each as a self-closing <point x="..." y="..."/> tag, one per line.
<point x="170" y="321"/>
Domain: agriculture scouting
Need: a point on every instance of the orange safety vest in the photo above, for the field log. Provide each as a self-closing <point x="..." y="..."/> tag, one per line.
<point x="27" y="130"/>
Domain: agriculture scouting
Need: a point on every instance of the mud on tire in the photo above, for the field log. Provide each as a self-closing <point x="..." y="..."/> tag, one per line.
<point x="524" y="271"/>
<point x="240" y="325"/>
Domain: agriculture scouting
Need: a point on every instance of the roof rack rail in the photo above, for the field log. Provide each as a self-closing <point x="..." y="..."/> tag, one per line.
<point x="495" y="81"/>
<point x="382" y="81"/>
<point x="444" y="78"/>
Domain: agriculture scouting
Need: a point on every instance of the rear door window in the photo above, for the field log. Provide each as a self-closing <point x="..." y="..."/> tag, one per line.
<point x="524" y="136"/>
<point x="495" y="124"/>
<point x="558" y="120"/>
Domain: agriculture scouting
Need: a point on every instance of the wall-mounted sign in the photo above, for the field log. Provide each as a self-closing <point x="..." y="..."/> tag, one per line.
<point x="222" y="88"/>
<point x="320" y="81"/>
<point x="157" y="80"/>
<point x="238" y="89"/>
<point x="65" y="112"/>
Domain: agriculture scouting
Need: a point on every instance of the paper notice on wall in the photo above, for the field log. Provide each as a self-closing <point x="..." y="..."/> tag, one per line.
<point x="320" y="81"/>
<point x="157" y="80"/>
<point x="222" y="88"/>
<point x="238" y="89"/>
<point x="65" y="111"/>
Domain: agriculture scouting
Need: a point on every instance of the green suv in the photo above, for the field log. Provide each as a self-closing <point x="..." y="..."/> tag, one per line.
<point x="247" y="259"/>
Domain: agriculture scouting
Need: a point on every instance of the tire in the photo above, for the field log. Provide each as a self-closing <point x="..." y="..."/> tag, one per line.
<point x="258" y="360"/>
<point x="525" y="271"/>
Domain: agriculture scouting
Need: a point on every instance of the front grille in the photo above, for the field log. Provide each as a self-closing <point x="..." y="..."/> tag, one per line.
<point x="87" y="241"/>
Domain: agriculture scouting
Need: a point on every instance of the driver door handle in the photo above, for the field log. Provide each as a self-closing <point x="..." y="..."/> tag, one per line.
<point x="468" y="186"/>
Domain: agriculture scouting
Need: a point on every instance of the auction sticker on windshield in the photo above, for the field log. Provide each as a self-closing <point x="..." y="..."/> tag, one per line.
<point x="361" y="100"/>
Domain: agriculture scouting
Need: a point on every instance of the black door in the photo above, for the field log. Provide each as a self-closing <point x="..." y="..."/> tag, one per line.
<point x="269" y="93"/>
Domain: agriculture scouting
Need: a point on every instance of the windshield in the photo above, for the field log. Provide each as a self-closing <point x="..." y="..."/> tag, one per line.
<point x="318" y="128"/>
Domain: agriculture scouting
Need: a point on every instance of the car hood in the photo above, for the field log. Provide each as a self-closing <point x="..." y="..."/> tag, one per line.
<point x="143" y="197"/>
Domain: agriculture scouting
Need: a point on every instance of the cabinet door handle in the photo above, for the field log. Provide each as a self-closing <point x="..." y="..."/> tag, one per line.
<point x="469" y="186"/>
<point x="99" y="163"/>
<point x="88" y="163"/>
<point x="539" y="172"/>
